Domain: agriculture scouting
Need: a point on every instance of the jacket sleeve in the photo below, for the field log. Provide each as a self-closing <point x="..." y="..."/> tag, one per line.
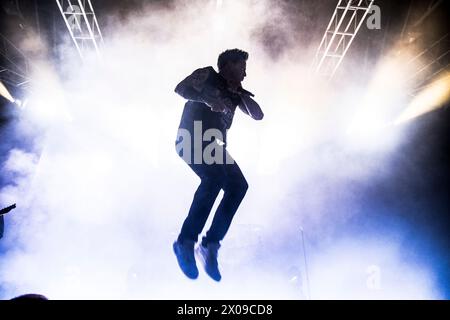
<point x="193" y="86"/>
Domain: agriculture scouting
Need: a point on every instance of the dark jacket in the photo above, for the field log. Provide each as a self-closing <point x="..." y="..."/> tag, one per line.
<point x="199" y="111"/>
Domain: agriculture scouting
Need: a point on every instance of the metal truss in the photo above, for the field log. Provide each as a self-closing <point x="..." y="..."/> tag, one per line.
<point x="436" y="61"/>
<point x="433" y="63"/>
<point x="345" y="23"/>
<point x="14" y="65"/>
<point x="80" y="20"/>
<point x="433" y="4"/>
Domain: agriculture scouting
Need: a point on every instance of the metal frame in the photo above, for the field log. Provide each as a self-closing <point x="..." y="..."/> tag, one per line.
<point x="434" y="59"/>
<point x="436" y="63"/>
<point x="344" y="24"/>
<point x="16" y="68"/>
<point x="81" y="22"/>
<point x="431" y="7"/>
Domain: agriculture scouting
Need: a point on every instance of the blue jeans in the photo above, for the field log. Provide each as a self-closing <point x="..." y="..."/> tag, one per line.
<point x="214" y="177"/>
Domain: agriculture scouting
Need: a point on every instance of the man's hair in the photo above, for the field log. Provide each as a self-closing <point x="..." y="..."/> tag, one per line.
<point x="231" y="55"/>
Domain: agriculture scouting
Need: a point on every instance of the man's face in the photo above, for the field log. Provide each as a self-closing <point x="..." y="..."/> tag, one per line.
<point x="238" y="70"/>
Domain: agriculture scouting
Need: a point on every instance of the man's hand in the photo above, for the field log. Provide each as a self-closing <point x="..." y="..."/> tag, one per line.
<point x="251" y="107"/>
<point x="218" y="105"/>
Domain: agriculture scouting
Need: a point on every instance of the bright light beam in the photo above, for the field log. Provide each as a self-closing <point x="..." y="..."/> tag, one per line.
<point x="430" y="98"/>
<point x="5" y="93"/>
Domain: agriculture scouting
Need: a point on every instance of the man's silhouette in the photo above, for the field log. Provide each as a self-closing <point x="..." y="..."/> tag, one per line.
<point x="212" y="100"/>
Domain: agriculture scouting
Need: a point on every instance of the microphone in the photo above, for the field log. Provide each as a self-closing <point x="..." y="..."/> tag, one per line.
<point x="242" y="90"/>
<point x="7" y="209"/>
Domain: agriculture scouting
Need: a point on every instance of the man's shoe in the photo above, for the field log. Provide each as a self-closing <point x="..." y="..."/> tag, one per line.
<point x="185" y="257"/>
<point x="208" y="258"/>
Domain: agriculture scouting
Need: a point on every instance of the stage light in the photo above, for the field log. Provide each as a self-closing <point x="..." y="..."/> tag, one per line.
<point x="430" y="98"/>
<point x="5" y="93"/>
<point x="385" y="96"/>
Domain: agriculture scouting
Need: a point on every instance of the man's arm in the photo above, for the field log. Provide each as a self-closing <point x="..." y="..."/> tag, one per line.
<point x="195" y="87"/>
<point x="192" y="86"/>
<point x="251" y="107"/>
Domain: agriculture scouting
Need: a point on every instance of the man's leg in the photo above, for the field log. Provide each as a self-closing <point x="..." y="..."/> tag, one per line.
<point x="235" y="187"/>
<point x="203" y="201"/>
<point x="206" y="193"/>
<point x="201" y="206"/>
